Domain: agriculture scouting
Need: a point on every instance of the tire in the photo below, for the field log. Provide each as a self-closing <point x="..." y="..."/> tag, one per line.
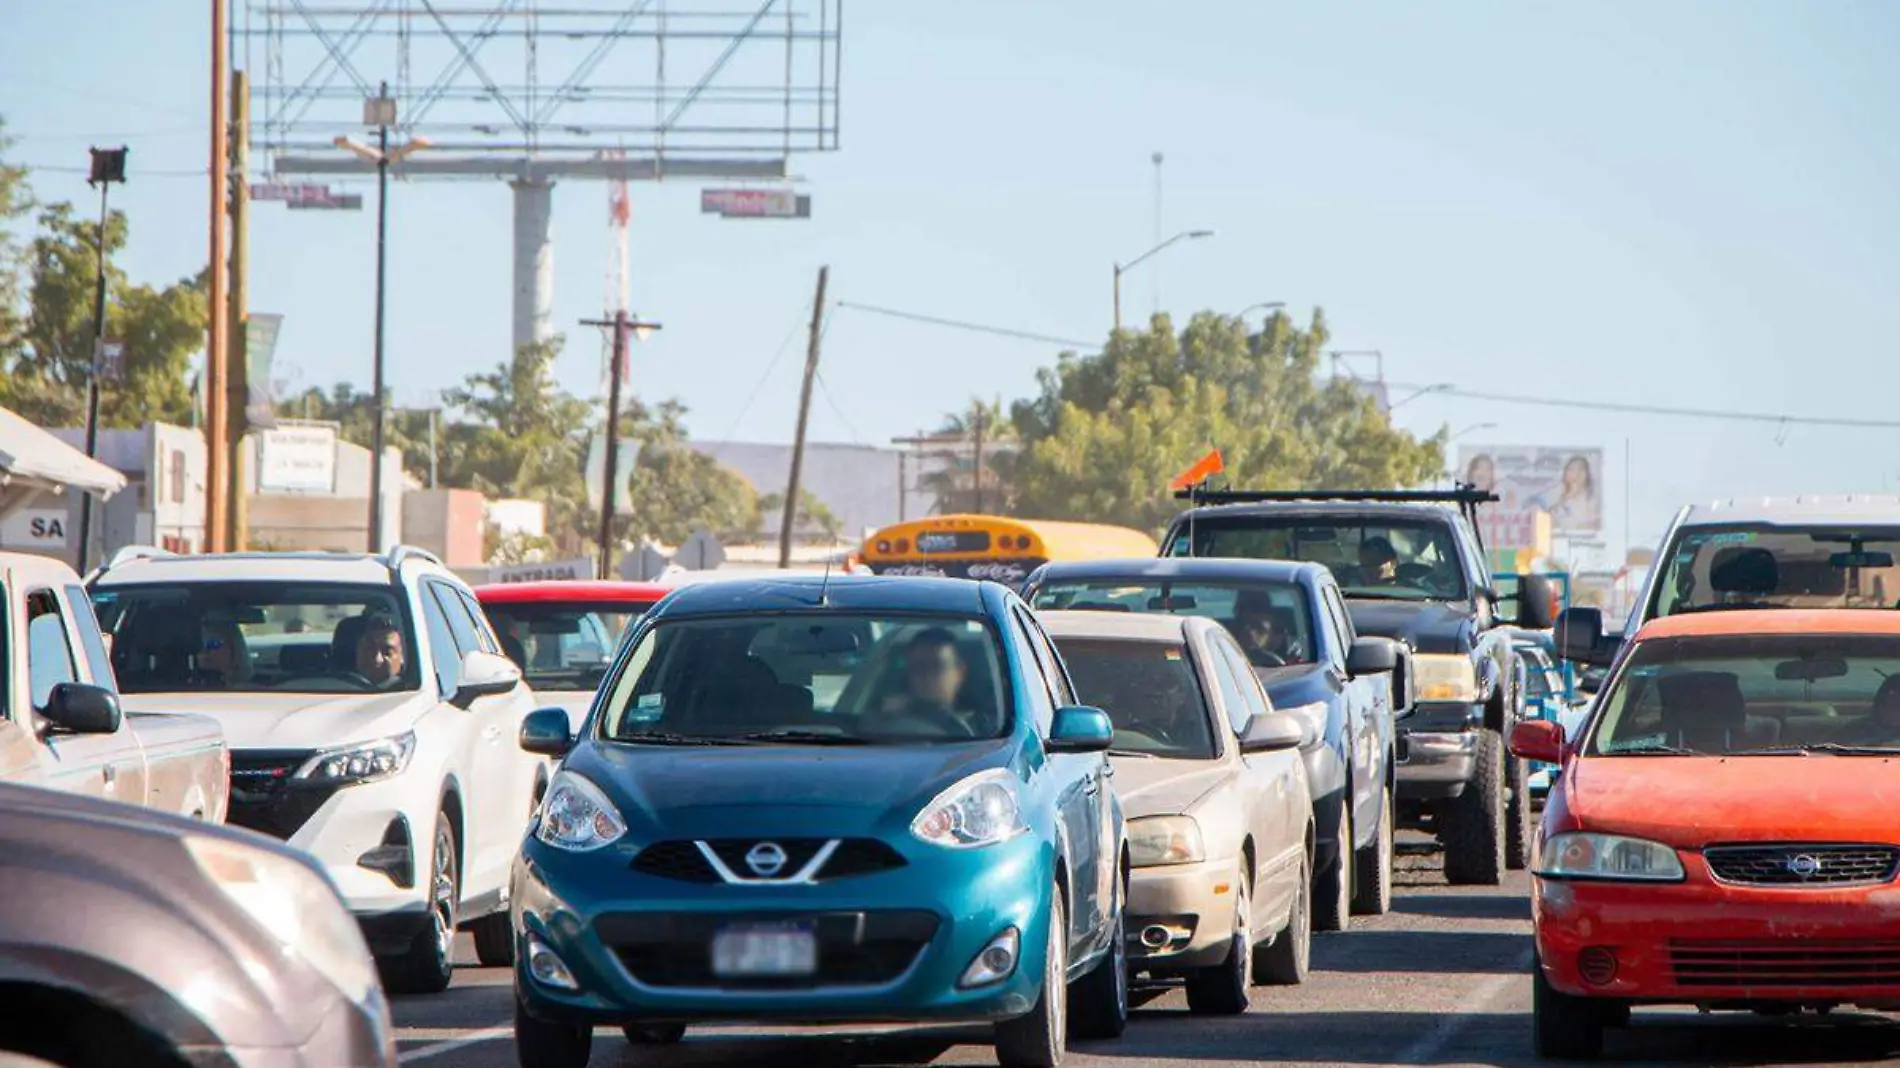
<point x="654" y="1034"/>
<point x="1288" y="959"/>
<point x="545" y="1044"/>
<point x="1041" y="1038"/>
<point x="1517" y="815"/>
<point x="1565" y="1028"/>
<point x="1221" y="990"/>
<point x="1332" y="891"/>
<point x="1372" y="876"/>
<point x="1098" y="1002"/>
<point x="1474" y="834"/>
<point x="494" y="940"/>
<point x="428" y="965"/>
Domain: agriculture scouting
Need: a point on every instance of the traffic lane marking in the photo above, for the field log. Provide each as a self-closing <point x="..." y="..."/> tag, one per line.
<point x="451" y="1045"/>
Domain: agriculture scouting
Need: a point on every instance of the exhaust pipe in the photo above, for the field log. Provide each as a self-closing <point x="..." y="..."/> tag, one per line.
<point x="1155" y="937"/>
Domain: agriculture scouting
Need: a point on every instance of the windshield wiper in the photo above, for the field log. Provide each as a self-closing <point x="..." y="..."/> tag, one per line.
<point x="669" y="738"/>
<point x="1652" y="749"/>
<point x="803" y="737"/>
<point x="1835" y="748"/>
<point x="1361" y="593"/>
<point x="1131" y="753"/>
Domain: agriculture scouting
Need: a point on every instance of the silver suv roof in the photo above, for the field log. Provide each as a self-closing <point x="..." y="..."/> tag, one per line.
<point x="1809" y="509"/>
<point x="145" y="565"/>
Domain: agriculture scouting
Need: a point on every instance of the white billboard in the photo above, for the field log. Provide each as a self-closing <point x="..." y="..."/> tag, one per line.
<point x="1562" y="483"/>
<point x="297" y="458"/>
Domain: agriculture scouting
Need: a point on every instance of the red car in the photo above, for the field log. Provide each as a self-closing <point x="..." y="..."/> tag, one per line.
<point x="1724" y="831"/>
<point x="564" y="634"/>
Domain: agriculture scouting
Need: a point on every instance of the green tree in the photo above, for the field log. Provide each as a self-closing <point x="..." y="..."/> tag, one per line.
<point x="16" y="200"/>
<point x="675" y="489"/>
<point x="1107" y="432"/>
<point x="350" y="408"/>
<point x="951" y="466"/>
<point x="520" y="435"/>
<point x="812" y="515"/>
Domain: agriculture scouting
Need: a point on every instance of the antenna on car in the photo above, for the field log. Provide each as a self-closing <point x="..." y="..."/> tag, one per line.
<point x="825" y="584"/>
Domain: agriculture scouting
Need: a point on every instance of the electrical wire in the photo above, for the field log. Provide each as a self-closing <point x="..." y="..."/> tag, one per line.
<point x="1652" y="409"/>
<point x="758" y="388"/>
<point x="958" y="324"/>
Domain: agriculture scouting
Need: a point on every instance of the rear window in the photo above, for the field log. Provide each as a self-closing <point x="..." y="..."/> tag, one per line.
<point x="563" y="645"/>
<point x="1411" y="560"/>
<point x="1715" y="568"/>
<point x="1272" y="621"/>
<point x="1149" y="689"/>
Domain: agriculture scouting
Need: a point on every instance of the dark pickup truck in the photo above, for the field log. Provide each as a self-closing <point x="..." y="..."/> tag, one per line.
<point x="1412" y="568"/>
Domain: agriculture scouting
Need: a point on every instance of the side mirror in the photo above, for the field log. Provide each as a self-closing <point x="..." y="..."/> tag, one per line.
<point x="1371" y="656"/>
<point x="544" y="731"/>
<point x="78" y="708"/>
<point x="1538" y="739"/>
<point x="1536" y="596"/>
<point x="1580" y="637"/>
<point x="1272" y="731"/>
<point x="484" y="675"/>
<point x="1080" y="729"/>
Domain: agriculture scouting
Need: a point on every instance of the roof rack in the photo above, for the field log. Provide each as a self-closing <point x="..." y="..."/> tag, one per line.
<point x="1463" y="494"/>
<point x="402" y="554"/>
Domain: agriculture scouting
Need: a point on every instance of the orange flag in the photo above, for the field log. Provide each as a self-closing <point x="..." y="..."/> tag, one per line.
<point x="1205" y="468"/>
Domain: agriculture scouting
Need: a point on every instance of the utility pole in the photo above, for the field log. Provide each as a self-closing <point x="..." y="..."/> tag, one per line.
<point x="238" y="396"/>
<point x="804" y="412"/>
<point x="622" y="325"/>
<point x="108" y="166"/>
<point x="978" y="473"/>
<point x="903" y="484"/>
<point x="217" y="356"/>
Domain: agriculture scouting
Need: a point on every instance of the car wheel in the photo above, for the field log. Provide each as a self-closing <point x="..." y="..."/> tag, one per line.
<point x="1099" y="1001"/>
<point x="1332" y="891"/>
<point x="1473" y="834"/>
<point x="1222" y="989"/>
<point x="1040" y="1038"/>
<point x="1567" y="1028"/>
<point x="545" y="1044"/>
<point x="1517" y="816"/>
<point x="428" y="965"/>
<point x="654" y="1034"/>
<point x="1372" y="881"/>
<point x="494" y="940"/>
<point x="1286" y="960"/>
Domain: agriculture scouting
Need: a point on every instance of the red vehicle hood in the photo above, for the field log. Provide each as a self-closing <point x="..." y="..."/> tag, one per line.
<point x="1692" y="801"/>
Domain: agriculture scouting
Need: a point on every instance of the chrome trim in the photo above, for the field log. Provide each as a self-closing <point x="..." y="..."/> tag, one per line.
<point x="805" y="876"/>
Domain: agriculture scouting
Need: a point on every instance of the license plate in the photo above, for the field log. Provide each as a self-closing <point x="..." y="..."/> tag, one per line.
<point x="750" y="950"/>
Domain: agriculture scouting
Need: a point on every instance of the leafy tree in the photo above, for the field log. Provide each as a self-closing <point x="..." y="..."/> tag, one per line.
<point x="951" y="471"/>
<point x="812" y="515"/>
<point x="16" y="200"/>
<point x="350" y="408"/>
<point x="521" y="436"/>
<point x="676" y="489"/>
<point x="1107" y="432"/>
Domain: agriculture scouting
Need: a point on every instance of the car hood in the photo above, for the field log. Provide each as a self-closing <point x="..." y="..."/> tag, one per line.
<point x="1428" y="626"/>
<point x="1153" y="786"/>
<point x="1692" y="801"/>
<point x="677" y="787"/>
<point x="295" y="720"/>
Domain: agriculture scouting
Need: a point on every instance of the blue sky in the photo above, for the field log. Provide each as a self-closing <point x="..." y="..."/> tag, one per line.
<point x="1664" y="202"/>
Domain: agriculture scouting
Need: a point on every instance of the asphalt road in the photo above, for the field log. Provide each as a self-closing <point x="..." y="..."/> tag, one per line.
<point x="1442" y="980"/>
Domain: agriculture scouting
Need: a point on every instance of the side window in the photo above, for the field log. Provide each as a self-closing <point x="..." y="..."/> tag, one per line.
<point x="1062" y="690"/>
<point x="483" y="631"/>
<point x="441" y="643"/>
<point x="1252" y="695"/>
<point x="98" y="661"/>
<point x="1233" y="701"/>
<point x="1041" y="692"/>
<point x="1339" y="623"/>
<point x="49" y="655"/>
<point x="460" y="623"/>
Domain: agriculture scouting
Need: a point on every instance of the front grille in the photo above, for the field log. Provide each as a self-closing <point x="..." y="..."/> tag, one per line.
<point x="264" y="798"/>
<point x="1790" y="963"/>
<point x="684" y="861"/>
<point x="854" y="948"/>
<point x="1797" y="864"/>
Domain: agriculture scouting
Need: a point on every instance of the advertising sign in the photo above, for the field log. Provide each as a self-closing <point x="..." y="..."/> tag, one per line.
<point x="260" y="344"/>
<point x="306" y="195"/>
<point x="1532" y="481"/>
<point x="297" y="458"/>
<point x="34" y="528"/>
<point x="596" y="471"/>
<point x="754" y="203"/>
<point x="577" y="569"/>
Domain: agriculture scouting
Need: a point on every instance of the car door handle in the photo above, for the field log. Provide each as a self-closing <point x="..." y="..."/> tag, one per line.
<point x="1108" y="771"/>
<point x="109" y="774"/>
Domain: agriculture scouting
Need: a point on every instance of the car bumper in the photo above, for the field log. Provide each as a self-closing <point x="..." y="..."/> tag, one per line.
<point x="354" y="1035"/>
<point x="1702" y="942"/>
<point x="617" y="930"/>
<point x="1193" y="904"/>
<point x="1440" y="750"/>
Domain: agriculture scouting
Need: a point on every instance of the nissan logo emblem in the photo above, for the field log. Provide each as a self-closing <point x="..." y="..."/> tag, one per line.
<point x="766" y="859"/>
<point x="1807" y="865"/>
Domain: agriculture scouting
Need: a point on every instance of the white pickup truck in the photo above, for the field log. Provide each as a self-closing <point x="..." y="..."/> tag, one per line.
<point x="62" y="726"/>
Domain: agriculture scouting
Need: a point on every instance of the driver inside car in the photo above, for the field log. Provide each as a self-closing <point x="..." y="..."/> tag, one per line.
<point x="379" y="653"/>
<point x="1378" y="563"/>
<point x="1882" y="724"/>
<point x="1259" y="630"/>
<point x="934" y="673"/>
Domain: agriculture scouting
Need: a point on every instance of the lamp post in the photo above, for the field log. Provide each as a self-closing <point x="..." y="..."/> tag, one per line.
<point x="622" y="325"/>
<point x="1122" y="268"/>
<point x="108" y="166"/>
<point x="379" y="111"/>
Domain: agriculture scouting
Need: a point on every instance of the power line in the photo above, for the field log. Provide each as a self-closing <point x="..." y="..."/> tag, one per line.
<point x="54" y="169"/>
<point x="856" y="437"/>
<point x="958" y="324"/>
<point x="1654" y="409"/>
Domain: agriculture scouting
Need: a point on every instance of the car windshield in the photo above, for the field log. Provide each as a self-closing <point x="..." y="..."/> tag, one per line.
<point x="1270" y="620"/>
<point x="1714" y="568"/>
<point x="1753" y="694"/>
<point x="1373" y="558"/>
<point x="562" y="645"/>
<point x="811" y="678"/>
<point x="246" y="637"/>
<point x="1149" y="689"/>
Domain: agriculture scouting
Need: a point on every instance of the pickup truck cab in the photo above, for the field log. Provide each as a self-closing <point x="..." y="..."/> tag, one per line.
<point x="63" y="727"/>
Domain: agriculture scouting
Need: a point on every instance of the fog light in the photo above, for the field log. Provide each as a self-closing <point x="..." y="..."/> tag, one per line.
<point x="1597" y="965"/>
<point x="548" y="969"/>
<point x="996" y="963"/>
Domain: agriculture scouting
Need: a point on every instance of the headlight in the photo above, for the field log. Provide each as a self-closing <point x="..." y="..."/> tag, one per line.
<point x="1608" y="856"/>
<point x="981" y="810"/>
<point x="1157" y="840"/>
<point x="294" y="905"/>
<point x="367" y="762"/>
<point x="1443" y="677"/>
<point x="577" y="817"/>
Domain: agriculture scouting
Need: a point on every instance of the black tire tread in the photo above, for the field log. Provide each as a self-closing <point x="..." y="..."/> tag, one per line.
<point x="1564" y="1027"/>
<point x="1372" y="875"/>
<point x="421" y="969"/>
<point x="543" y="1044"/>
<point x="1332" y="909"/>
<point x="1031" y="1040"/>
<point x="1222" y="989"/>
<point x="1284" y="962"/>
<point x="1473" y="832"/>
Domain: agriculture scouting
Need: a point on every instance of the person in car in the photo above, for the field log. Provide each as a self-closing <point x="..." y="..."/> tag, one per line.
<point x="934" y="673"/>
<point x="1378" y="563"/>
<point x="379" y="653"/>
<point x="1258" y="628"/>
<point x="225" y="662"/>
<point x="1882" y="725"/>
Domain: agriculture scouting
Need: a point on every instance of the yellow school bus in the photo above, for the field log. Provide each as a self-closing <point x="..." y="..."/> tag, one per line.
<point x="994" y="547"/>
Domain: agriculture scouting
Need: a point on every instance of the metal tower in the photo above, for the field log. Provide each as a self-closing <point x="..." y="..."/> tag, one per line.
<point x="534" y="91"/>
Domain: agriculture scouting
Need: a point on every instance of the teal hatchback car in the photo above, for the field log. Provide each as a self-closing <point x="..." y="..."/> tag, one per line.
<point x="853" y="800"/>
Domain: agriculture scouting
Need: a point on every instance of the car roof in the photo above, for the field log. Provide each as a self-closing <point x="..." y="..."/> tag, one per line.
<point x="1822" y="508"/>
<point x="1230" y="569"/>
<point x="1321" y="508"/>
<point x="1132" y="626"/>
<point x="316" y="567"/>
<point x="845" y="593"/>
<point x="559" y="591"/>
<point x="1773" y="621"/>
<point x="35" y="568"/>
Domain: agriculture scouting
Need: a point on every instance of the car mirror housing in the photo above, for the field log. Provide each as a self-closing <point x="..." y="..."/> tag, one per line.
<point x="1371" y="656"/>
<point x="484" y="675"/>
<point x="1536" y="598"/>
<point x="544" y="731"/>
<point x="1580" y="637"/>
<point x="80" y="708"/>
<point x="1080" y="729"/>
<point x="1538" y="739"/>
<point x="1270" y="731"/>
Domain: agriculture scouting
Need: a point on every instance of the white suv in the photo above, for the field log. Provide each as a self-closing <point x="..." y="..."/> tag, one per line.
<point x="372" y="720"/>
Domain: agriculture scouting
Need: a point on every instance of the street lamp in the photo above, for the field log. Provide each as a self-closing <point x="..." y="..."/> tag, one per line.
<point x="1121" y="268"/>
<point x="108" y="166"/>
<point x="379" y="111"/>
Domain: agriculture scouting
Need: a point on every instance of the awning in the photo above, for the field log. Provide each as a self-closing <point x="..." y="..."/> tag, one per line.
<point x="31" y="458"/>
